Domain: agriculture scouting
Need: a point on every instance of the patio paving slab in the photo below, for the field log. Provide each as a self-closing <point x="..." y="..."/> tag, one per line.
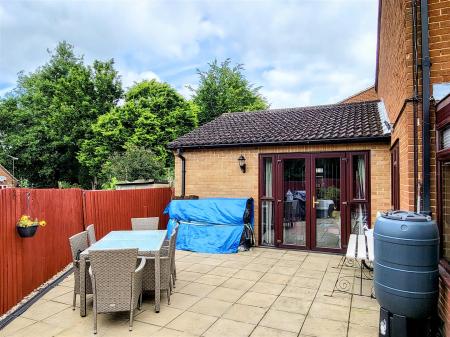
<point x="262" y="331"/>
<point x="213" y="280"/>
<point x="192" y="322"/>
<point x="181" y="301"/>
<point x="364" y="317"/>
<point x="276" y="278"/>
<point x="236" y="283"/>
<point x="268" y="288"/>
<point x="162" y="318"/>
<point x="283" y="320"/>
<point x="250" y="275"/>
<point x="43" y="309"/>
<point x="17" y="324"/>
<point x="320" y="327"/>
<point x="197" y="289"/>
<point x="290" y="304"/>
<point x="228" y="328"/>
<point x="223" y="295"/>
<point x="257" y="299"/>
<point x="210" y="306"/>
<point x="223" y="271"/>
<point x="226" y="294"/>
<point x="244" y="313"/>
<point x="329" y="311"/>
<point x="199" y="268"/>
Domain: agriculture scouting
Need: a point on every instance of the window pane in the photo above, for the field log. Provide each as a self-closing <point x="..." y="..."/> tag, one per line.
<point x="268" y="177"/>
<point x="294" y="203"/>
<point x="359" y="217"/>
<point x="359" y="177"/>
<point x="445" y="139"/>
<point x="446" y="209"/>
<point x="327" y="205"/>
<point x="267" y="223"/>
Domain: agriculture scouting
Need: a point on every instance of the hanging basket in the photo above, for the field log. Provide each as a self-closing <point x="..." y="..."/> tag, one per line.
<point x="27" y="232"/>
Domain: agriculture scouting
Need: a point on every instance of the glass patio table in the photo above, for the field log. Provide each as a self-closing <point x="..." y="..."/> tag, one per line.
<point x="147" y="242"/>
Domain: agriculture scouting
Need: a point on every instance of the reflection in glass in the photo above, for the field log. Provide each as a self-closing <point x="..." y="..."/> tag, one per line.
<point x="294" y="205"/>
<point x="359" y="177"/>
<point x="327" y="203"/>
<point x="267" y="223"/>
<point x="358" y="218"/>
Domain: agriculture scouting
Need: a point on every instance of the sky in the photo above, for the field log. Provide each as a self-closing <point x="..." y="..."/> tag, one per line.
<point x="302" y="52"/>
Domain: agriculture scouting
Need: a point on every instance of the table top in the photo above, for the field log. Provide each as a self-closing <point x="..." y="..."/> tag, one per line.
<point x="144" y="241"/>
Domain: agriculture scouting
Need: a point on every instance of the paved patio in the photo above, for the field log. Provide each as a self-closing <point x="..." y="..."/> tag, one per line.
<point x="261" y="293"/>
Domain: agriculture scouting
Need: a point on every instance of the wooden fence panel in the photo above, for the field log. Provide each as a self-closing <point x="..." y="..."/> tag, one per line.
<point x="113" y="210"/>
<point x="26" y="263"/>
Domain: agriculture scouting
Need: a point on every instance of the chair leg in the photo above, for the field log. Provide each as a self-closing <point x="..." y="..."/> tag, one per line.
<point x="95" y="320"/>
<point x="168" y="296"/>
<point x="131" y="320"/>
<point x="74" y="300"/>
<point x="140" y="302"/>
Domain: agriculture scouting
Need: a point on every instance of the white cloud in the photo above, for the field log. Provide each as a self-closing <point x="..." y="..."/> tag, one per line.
<point x="301" y="52"/>
<point x="287" y="99"/>
<point x="130" y="77"/>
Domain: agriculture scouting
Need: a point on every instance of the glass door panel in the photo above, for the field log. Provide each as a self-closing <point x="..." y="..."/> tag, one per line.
<point x="294" y="193"/>
<point x="327" y="202"/>
<point x="267" y="203"/>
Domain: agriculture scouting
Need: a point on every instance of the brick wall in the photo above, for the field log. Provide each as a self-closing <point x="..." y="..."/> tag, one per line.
<point x="439" y="27"/>
<point x="216" y="173"/>
<point x="394" y="86"/>
<point x="9" y="178"/>
<point x="368" y="94"/>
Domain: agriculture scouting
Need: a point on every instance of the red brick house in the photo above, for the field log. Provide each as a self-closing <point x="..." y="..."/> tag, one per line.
<point x="6" y="178"/>
<point x="319" y="173"/>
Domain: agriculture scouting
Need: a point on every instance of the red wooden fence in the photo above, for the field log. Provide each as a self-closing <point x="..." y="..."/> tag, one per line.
<point x="27" y="263"/>
<point x="112" y="210"/>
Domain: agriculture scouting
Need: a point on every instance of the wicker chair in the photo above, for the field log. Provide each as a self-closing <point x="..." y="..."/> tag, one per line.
<point x="78" y="243"/>
<point x="116" y="281"/>
<point x="91" y="234"/>
<point x="165" y="252"/>
<point x="166" y="257"/>
<point x="144" y="224"/>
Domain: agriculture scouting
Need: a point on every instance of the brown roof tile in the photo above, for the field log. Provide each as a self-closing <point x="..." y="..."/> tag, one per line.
<point x="360" y="121"/>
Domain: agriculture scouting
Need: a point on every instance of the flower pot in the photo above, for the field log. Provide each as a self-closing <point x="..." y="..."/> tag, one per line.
<point x="26" y="232"/>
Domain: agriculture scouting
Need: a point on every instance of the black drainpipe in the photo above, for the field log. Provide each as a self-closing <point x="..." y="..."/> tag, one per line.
<point x="426" y="64"/>
<point x="415" y="99"/>
<point x="183" y="172"/>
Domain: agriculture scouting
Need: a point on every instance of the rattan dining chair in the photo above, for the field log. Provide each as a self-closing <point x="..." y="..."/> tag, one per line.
<point x="165" y="252"/>
<point x="78" y="243"/>
<point x="91" y="234"/>
<point x="148" y="282"/>
<point x="116" y="282"/>
<point x="144" y="224"/>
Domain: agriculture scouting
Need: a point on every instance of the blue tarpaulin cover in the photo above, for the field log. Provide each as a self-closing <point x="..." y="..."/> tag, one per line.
<point x="213" y="225"/>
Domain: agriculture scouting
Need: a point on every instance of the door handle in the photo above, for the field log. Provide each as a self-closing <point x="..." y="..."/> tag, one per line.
<point x="344" y="203"/>
<point x="314" y="202"/>
<point x="278" y="201"/>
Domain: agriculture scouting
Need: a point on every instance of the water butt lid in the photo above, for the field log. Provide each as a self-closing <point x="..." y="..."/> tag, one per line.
<point x="406" y="216"/>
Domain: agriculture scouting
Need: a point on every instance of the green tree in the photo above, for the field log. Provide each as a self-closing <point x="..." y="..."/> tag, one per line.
<point x="135" y="163"/>
<point x="152" y="115"/>
<point x="224" y="88"/>
<point x="49" y="115"/>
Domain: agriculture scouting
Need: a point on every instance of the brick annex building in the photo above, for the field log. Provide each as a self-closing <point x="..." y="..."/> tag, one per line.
<point x="319" y="173"/>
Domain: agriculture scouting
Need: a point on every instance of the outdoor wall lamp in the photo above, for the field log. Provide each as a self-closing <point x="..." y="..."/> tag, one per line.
<point x="242" y="164"/>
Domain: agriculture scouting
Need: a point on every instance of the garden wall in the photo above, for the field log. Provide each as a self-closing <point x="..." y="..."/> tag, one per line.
<point x="27" y="263"/>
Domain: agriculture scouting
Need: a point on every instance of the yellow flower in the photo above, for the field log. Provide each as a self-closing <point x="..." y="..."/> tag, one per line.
<point x="42" y="223"/>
